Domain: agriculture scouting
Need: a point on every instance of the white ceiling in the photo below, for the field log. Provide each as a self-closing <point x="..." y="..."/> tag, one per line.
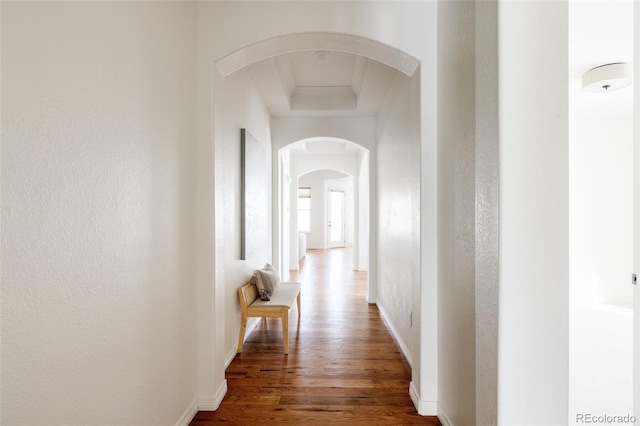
<point x="321" y="83"/>
<point x="322" y="68"/>
<point x="600" y="32"/>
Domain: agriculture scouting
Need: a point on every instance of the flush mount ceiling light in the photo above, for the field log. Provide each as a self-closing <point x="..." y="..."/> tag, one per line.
<point x="607" y="78"/>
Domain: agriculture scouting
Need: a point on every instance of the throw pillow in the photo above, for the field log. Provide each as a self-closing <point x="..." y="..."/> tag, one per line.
<point x="269" y="267"/>
<point x="262" y="291"/>
<point x="270" y="279"/>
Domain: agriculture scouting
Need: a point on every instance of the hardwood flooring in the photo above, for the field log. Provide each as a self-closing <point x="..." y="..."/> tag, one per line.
<point x="343" y="365"/>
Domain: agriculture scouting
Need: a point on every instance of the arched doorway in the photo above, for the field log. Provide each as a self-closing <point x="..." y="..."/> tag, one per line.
<point x="419" y="283"/>
<point x="348" y="43"/>
<point x="348" y="161"/>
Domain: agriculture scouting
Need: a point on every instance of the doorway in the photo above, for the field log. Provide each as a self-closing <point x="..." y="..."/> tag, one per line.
<point x="336" y="218"/>
<point x="602" y="215"/>
<point x="401" y="127"/>
<point x="335" y="203"/>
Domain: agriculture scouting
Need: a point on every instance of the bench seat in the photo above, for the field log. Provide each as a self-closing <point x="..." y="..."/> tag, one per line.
<point x="279" y="306"/>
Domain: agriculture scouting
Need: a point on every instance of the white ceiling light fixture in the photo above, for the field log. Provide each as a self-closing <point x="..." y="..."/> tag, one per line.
<point x="607" y="78"/>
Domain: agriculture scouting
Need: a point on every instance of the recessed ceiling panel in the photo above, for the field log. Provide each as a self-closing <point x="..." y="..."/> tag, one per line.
<point x="322" y="68"/>
<point x="348" y="85"/>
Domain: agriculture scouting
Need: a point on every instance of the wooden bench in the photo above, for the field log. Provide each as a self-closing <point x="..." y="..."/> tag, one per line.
<point x="281" y="302"/>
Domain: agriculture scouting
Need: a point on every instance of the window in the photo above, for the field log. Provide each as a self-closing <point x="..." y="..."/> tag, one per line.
<point x="304" y="209"/>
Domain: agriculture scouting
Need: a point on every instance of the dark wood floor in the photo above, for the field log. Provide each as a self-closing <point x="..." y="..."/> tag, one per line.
<point x="343" y="365"/>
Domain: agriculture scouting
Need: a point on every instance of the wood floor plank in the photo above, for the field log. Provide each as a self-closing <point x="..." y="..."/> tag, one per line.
<point x="343" y="365"/>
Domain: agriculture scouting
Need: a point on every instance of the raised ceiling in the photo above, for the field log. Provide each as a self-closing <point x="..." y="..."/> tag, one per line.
<point x="321" y="83"/>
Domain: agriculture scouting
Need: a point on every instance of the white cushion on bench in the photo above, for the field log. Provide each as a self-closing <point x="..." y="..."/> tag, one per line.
<point x="284" y="296"/>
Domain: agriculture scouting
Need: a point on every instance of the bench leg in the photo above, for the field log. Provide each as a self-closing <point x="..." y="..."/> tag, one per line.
<point x="285" y="329"/>
<point x="298" y="298"/>
<point x="243" y="328"/>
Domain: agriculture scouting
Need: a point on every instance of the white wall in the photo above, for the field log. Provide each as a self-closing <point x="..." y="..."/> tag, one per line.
<point x="238" y="105"/>
<point x="226" y="104"/>
<point x="601" y="156"/>
<point x="456" y="207"/>
<point x="398" y="258"/>
<point x="359" y="130"/>
<point x="534" y="214"/>
<point x="362" y="214"/>
<point x="601" y="208"/>
<point x="98" y="258"/>
<point x="487" y="244"/>
<point x="285" y="191"/>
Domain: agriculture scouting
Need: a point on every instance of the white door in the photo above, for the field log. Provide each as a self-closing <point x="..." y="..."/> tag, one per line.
<point x="336" y="219"/>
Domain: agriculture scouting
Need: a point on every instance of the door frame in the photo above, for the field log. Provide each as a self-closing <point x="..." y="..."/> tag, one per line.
<point x="327" y="224"/>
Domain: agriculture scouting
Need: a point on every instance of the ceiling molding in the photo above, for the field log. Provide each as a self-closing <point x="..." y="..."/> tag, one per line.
<point x="285" y="71"/>
<point x="268" y="80"/>
<point x="324" y="91"/>
<point x="359" y="74"/>
<point x="288" y="43"/>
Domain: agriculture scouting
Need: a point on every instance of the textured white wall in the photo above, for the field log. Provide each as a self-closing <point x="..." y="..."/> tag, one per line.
<point x="487" y="212"/>
<point x="238" y="105"/>
<point x="534" y="214"/>
<point x="98" y="284"/>
<point x="398" y="258"/>
<point x="456" y="208"/>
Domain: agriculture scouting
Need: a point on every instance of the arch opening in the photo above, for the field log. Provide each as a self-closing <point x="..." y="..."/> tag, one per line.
<point x="288" y="43"/>
<point x="357" y="133"/>
<point x="321" y="164"/>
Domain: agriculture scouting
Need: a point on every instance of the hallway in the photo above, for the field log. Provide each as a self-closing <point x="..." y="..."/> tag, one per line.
<point x="343" y="364"/>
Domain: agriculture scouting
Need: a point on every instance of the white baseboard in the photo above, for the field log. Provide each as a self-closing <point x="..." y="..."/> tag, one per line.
<point x="425" y="408"/>
<point x="396" y="336"/>
<point x="188" y="415"/>
<point x="442" y="416"/>
<point x="212" y="402"/>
